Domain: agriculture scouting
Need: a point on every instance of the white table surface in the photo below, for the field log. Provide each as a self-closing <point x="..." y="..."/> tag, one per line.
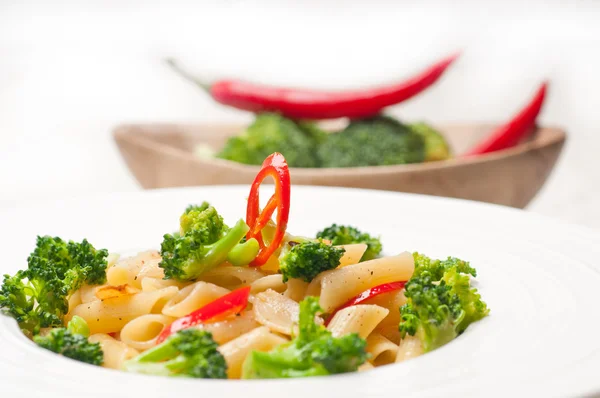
<point x="70" y="71"/>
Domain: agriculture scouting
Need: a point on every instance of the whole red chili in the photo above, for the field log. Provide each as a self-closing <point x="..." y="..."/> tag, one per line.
<point x="518" y="128"/>
<point x="276" y="167"/>
<point x="315" y="104"/>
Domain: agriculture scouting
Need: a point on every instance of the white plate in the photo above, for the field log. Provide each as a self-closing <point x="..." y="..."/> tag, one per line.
<point x="539" y="277"/>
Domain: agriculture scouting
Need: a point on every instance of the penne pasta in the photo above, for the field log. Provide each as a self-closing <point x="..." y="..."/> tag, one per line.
<point x="232" y="277"/>
<point x="192" y="297"/>
<point x="231" y="328"/>
<point x="392" y="301"/>
<point x="410" y="347"/>
<point x="273" y="282"/>
<point x="337" y="286"/>
<point x="381" y="349"/>
<point x="236" y="351"/>
<point x="361" y="319"/>
<point x="276" y="311"/>
<point x="132" y="270"/>
<point x="353" y="254"/>
<point x="141" y="332"/>
<point x="115" y="352"/>
<point x="150" y="284"/>
<point x="296" y="289"/>
<point x="107" y="316"/>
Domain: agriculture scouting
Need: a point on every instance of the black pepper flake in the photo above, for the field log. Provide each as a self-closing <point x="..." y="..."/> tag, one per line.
<point x="292" y="243"/>
<point x="97" y="319"/>
<point x="135" y="278"/>
<point x="371" y="272"/>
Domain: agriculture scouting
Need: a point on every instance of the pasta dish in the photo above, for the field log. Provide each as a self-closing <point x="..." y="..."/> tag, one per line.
<point x="244" y="300"/>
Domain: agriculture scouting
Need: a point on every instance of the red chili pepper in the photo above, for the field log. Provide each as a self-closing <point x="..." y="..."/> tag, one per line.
<point x="276" y="167"/>
<point x="313" y="104"/>
<point x="219" y="309"/>
<point x="515" y="130"/>
<point x="367" y="294"/>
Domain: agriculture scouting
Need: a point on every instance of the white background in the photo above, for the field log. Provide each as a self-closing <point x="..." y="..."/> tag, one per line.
<point x="70" y="71"/>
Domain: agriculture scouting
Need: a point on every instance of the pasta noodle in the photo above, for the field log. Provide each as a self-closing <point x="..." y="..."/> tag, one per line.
<point x="151" y="284"/>
<point x="410" y="347"/>
<point x="273" y="282"/>
<point x="381" y="349"/>
<point x="296" y="289"/>
<point x="276" y="311"/>
<point x="339" y="285"/>
<point x="132" y="270"/>
<point x="353" y="254"/>
<point x="259" y="339"/>
<point x="232" y="328"/>
<point x="115" y="352"/>
<point x="392" y="301"/>
<point x="361" y="319"/>
<point x="192" y="297"/>
<point x="232" y="277"/>
<point x="141" y="332"/>
<point x="107" y="316"/>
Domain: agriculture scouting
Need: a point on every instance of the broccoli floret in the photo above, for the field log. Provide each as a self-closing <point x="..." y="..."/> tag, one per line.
<point x="206" y="220"/>
<point x="204" y="242"/>
<point x="377" y="141"/>
<point x="201" y="207"/>
<point x="305" y="260"/>
<point x="71" y="344"/>
<point x="436" y="146"/>
<point x="187" y="353"/>
<point x="440" y="301"/>
<point x="313" y="352"/>
<point x="269" y="133"/>
<point x="37" y="297"/>
<point x="346" y="235"/>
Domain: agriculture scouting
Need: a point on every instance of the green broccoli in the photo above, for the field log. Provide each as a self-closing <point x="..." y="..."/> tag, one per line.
<point x="436" y="146"/>
<point x="201" y="207"/>
<point x="37" y="297"/>
<point x="187" y="353"/>
<point x="313" y="352"/>
<point x="204" y="242"/>
<point x="72" y="344"/>
<point x="346" y="235"/>
<point x="271" y="132"/>
<point x="440" y="301"/>
<point x="307" y="259"/>
<point x="377" y="141"/>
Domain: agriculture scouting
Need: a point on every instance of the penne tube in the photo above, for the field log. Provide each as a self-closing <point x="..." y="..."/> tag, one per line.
<point x="273" y="282"/>
<point x="382" y="350"/>
<point x="236" y="351"/>
<point x="232" y="328"/>
<point x="192" y="297"/>
<point x="108" y="316"/>
<point x="337" y="286"/>
<point x="353" y="254"/>
<point x="141" y="332"/>
<point x="276" y="311"/>
<point x="115" y="352"/>
<point x="296" y="289"/>
<point x="361" y="319"/>
<point x="232" y="277"/>
<point x="410" y="347"/>
<point x="132" y="270"/>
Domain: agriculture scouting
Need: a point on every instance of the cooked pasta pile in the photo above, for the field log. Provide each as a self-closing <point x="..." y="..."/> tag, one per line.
<point x="127" y="313"/>
<point x="247" y="301"/>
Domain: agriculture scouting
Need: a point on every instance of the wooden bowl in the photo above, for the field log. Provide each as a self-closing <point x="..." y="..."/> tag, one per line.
<point x="162" y="155"/>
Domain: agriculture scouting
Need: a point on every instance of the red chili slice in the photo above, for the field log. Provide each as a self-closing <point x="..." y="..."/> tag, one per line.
<point x="367" y="294"/>
<point x="217" y="310"/>
<point x="274" y="166"/>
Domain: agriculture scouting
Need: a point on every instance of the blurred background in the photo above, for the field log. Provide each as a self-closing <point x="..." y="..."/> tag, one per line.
<point x="72" y="70"/>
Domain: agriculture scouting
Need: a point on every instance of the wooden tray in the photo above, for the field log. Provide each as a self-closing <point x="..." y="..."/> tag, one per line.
<point x="161" y="155"/>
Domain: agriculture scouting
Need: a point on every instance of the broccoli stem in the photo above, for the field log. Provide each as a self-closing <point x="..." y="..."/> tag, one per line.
<point x="244" y="253"/>
<point x="78" y="325"/>
<point x="218" y="251"/>
<point x="158" y="353"/>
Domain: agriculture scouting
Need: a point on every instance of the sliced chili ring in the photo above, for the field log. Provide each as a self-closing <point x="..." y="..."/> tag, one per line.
<point x="276" y="167"/>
